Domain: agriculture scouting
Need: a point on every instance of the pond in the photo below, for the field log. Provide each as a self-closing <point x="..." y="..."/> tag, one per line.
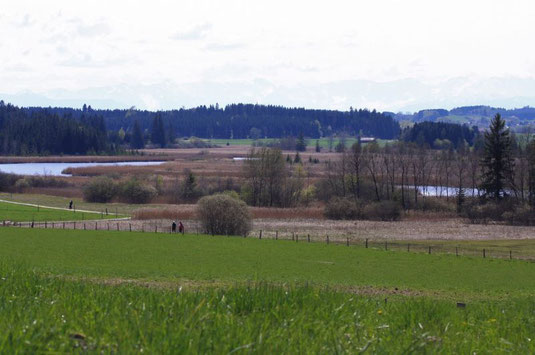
<point x="56" y="169"/>
<point x="444" y="191"/>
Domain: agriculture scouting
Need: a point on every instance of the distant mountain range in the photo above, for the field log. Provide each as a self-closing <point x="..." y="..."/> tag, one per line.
<point x="518" y="119"/>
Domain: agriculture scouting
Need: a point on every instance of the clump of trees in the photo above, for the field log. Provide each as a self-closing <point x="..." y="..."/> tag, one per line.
<point x="223" y="214"/>
<point x="101" y="189"/>
<point x="105" y="189"/>
<point x="44" y="132"/>
<point x="440" y="135"/>
<point x="269" y="181"/>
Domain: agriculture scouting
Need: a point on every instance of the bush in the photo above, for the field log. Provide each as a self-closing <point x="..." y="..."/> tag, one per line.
<point x="383" y="211"/>
<point x="224" y="215"/>
<point x="7" y="181"/>
<point x="523" y="215"/>
<point x="342" y="208"/>
<point x="100" y="189"/>
<point x="134" y="191"/>
<point x="22" y="184"/>
<point x="477" y="213"/>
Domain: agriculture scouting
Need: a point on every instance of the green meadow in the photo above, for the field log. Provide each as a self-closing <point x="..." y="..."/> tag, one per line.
<point x="167" y="257"/>
<point x="23" y="213"/>
<point x="323" y="142"/>
<point x="108" y="291"/>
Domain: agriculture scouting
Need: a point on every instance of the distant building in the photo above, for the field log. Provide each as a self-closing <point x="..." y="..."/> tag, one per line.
<point x="366" y="139"/>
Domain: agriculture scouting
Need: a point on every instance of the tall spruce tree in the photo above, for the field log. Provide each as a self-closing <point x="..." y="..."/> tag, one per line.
<point x="137" y="137"/>
<point x="158" y="131"/>
<point x="301" y="144"/>
<point x="497" y="163"/>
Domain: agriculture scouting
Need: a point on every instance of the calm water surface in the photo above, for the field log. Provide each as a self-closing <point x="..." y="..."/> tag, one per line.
<point x="57" y="168"/>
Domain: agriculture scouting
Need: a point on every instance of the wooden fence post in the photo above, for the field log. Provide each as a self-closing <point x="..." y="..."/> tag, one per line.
<point x="347" y="241"/>
<point x="84" y="226"/>
<point x="366" y="243"/>
<point x="386" y="245"/>
<point x="408" y="247"/>
<point x="327" y="239"/>
<point x="429" y="249"/>
<point x="63" y="225"/>
<point x="484" y="256"/>
<point x="276" y="235"/>
<point x="260" y="235"/>
<point x="130" y="226"/>
<point x="308" y="237"/>
<point x="117" y="226"/>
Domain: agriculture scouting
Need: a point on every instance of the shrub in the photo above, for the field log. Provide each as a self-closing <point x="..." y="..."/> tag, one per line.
<point x="224" y="215"/>
<point x="383" y="210"/>
<point x="134" y="191"/>
<point x="7" y="181"/>
<point x="342" y="208"/>
<point x="22" y="184"/>
<point x="100" y="189"/>
<point x="523" y="215"/>
<point x="477" y="213"/>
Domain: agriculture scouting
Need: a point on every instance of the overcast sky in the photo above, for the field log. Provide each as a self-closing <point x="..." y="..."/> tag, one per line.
<point x="384" y="54"/>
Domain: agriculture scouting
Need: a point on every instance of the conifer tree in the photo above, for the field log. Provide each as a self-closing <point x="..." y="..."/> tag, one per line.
<point x="301" y="144"/>
<point x="497" y="163"/>
<point x="137" y="137"/>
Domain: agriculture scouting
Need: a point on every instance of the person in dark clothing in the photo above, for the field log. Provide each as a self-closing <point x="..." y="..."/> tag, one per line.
<point x="173" y="227"/>
<point x="180" y="227"/>
<point x="70" y="205"/>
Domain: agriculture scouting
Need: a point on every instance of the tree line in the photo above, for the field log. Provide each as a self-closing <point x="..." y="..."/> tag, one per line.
<point x="240" y="121"/>
<point x="42" y="132"/>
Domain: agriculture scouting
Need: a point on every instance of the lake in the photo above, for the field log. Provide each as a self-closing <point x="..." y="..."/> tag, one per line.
<point x="56" y="169"/>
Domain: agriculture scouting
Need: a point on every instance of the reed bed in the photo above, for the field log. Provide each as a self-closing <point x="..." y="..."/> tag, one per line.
<point x="188" y="212"/>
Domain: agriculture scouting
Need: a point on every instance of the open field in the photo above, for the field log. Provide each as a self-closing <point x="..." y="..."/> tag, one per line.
<point x="43" y="313"/>
<point x="99" y="291"/>
<point x="173" y="258"/>
<point x="63" y="202"/>
<point x="19" y="213"/>
<point x="323" y="142"/>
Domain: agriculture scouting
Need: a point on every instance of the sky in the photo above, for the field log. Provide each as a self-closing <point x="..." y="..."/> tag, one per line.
<point x="389" y="55"/>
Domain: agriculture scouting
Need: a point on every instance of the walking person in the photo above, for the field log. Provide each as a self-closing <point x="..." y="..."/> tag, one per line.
<point x="180" y="227"/>
<point x="173" y="227"/>
<point x="70" y="205"/>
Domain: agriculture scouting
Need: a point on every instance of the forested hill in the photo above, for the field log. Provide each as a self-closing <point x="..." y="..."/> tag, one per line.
<point x="518" y="119"/>
<point x="242" y="120"/>
<point x="39" y="131"/>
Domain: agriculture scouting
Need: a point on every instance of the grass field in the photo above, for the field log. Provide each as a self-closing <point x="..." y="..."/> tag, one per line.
<point x="168" y="257"/>
<point x="46" y="314"/>
<point x="324" y="142"/>
<point x="87" y="291"/>
<point x="21" y="213"/>
<point x="62" y="202"/>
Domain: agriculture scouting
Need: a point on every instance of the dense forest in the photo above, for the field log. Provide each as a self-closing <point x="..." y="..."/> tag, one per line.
<point x="245" y="121"/>
<point x="41" y="132"/>
<point x="440" y="135"/>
